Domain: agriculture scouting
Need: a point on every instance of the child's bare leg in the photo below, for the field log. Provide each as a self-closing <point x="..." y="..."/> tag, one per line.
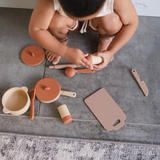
<point x="59" y="27"/>
<point x="107" y="27"/>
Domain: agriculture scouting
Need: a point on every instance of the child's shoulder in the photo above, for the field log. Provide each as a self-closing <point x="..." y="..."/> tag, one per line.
<point x="122" y="3"/>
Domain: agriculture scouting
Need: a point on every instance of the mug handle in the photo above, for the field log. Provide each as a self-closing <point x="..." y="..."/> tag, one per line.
<point x="24" y="88"/>
<point x="6" y="110"/>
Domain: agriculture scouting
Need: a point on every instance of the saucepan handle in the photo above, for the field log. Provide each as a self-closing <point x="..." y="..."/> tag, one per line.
<point x="69" y="94"/>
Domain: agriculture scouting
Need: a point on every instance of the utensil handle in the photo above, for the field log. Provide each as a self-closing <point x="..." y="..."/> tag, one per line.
<point x="85" y="71"/>
<point x="32" y="110"/>
<point x="69" y="94"/>
<point x="61" y="66"/>
<point x="135" y="75"/>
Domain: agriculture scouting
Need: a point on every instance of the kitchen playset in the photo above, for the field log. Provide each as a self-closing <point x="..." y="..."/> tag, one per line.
<point x="16" y="101"/>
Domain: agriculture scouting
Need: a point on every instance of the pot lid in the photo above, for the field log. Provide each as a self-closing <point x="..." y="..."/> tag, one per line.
<point x="32" y="55"/>
<point x="47" y="90"/>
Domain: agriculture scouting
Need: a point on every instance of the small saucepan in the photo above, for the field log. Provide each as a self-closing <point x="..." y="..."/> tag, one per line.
<point x="48" y="90"/>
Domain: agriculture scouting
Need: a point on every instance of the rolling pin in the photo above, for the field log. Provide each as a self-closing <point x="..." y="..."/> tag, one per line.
<point x="62" y="66"/>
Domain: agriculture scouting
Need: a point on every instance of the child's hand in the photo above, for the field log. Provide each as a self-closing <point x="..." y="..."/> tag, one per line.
<point x="77" y="57"/>
<point x="107" y="56"/>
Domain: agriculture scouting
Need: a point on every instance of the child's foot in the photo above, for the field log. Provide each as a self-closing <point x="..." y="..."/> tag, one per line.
<point x="104" y="43"/>
<point x="52" y="57"/>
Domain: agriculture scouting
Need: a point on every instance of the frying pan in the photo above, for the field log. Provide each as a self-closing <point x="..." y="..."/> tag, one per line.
<point x="48" y="90"/>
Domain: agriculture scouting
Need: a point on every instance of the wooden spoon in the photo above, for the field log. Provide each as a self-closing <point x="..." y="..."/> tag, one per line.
<point x="70" y="72"/>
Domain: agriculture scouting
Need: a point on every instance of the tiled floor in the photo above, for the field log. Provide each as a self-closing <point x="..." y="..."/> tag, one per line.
<point x="141" y="53"/>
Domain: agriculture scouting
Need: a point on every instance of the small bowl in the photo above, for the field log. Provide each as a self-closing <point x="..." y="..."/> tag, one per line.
<point x="16" y="101"/>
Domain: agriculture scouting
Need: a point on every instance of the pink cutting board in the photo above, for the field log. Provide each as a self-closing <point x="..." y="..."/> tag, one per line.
<point x="106" y="110"/>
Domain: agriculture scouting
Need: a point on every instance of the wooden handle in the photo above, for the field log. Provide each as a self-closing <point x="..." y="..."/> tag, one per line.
<point x="32" y="110"/>
<point x="61" y="66"/>
<point x="69" y="94"/>
<point x="135" y="74"/>
<point x="85" y="71"/>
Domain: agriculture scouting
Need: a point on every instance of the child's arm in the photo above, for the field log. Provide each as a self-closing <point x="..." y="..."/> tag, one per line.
<point x="38" y="29"/>
<point x="129" y="18"/>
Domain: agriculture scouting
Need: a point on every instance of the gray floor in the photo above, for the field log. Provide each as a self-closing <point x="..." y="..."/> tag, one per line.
<point x="141" y="53"/>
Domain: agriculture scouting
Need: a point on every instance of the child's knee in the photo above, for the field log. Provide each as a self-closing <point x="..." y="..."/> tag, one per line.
<point x="111" y="23"/>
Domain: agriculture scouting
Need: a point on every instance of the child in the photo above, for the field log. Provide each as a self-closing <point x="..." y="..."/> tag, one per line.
<point x="51" y="21"/>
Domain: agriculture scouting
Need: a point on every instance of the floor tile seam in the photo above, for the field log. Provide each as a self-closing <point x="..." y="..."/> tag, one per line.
<point x="140" y="124"/>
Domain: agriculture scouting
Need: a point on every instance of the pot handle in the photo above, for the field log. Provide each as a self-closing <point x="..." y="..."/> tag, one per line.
<point x="24" y="88"/>
<point x="6" y="111"/>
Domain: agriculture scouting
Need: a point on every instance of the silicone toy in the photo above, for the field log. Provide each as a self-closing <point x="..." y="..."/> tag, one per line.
<point x="141" y="84"/>
<point x="106" y="110"/>
<point x="65" y="114"/>
<point x="32" y="55"/>
<point x="32" y="95"/>
<point x="61" y="66"/>
<point x="48" y="90"/>
<point x="94" y="59"/>
<point x="70" y="72"/>
<point x="16" y="101"/>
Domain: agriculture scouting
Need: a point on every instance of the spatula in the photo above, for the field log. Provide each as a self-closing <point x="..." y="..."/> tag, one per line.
<point x="32" y="95"/>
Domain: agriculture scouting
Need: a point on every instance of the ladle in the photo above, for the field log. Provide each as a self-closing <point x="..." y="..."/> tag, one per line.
<point x="70" y="72"/>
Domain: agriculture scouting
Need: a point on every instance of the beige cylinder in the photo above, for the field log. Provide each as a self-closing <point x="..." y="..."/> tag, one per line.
<point x="65" y="114"/>
<point x="96" y="59"/>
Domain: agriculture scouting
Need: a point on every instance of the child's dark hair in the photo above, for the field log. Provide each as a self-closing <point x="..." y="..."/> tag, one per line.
<point x="81" y="8"/>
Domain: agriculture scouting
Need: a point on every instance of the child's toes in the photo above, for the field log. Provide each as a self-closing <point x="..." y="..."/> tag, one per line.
<point x="56" y="60"/>
<point x="50" y="58"/>
<point x="46" y="53"/>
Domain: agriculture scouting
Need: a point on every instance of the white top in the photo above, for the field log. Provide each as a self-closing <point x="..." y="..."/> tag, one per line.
<point x="107" y="8"/>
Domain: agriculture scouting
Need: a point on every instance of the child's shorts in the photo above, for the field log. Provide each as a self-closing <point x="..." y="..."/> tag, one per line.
<point x="83" y="27"/>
